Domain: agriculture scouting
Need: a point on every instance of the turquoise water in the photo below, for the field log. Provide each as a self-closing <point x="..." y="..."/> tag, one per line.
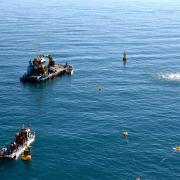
<point x="78" y="129"/>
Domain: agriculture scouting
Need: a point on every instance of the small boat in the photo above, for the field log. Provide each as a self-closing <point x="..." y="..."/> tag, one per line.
<point x="26" y="155"/>
<point x="23" y="139"/>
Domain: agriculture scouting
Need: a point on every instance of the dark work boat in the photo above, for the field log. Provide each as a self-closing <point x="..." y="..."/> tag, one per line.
<point x="38" y="71"/>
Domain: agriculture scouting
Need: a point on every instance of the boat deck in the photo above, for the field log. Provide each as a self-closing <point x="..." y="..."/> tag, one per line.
<point x="56" y="70"/>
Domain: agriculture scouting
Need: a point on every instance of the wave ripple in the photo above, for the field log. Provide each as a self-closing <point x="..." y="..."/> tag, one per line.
<point x="171" y="76"/>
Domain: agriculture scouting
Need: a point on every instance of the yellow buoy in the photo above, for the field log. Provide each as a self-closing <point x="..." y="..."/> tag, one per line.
<point x="177" y="148"/>
<point x="125" y="134"/>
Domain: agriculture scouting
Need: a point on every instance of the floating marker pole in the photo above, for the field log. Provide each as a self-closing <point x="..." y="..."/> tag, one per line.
<point x="124" y="57"/>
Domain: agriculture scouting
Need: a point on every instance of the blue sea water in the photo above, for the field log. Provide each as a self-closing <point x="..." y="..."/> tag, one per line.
<point x="78" y="129"/>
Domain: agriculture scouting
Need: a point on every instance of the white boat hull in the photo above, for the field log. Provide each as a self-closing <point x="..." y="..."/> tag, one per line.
<point x="15" y="155"/>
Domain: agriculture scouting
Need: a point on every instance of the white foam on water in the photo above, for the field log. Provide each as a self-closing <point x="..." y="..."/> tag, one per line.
<point x="171" y="76"/>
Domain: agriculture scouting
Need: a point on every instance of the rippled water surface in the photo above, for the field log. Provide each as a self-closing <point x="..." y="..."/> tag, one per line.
<point x="78" y="129"/>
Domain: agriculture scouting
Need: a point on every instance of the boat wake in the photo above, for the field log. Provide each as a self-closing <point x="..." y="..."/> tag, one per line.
<point x="171" y="76"/>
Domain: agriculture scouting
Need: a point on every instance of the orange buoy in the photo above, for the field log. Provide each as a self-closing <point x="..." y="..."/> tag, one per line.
<point x="26" y="158"/>
<point x="26" y="155"/>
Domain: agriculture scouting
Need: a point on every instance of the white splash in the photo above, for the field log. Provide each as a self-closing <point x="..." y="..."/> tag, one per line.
<point x="171" y="76"/>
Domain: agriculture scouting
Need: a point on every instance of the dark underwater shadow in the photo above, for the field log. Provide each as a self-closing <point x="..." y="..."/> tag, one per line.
<point x="39" y="93"/>
<point x="7" y="163"/>
<point x="14" y="167"/>
<point x="45" y="84"/>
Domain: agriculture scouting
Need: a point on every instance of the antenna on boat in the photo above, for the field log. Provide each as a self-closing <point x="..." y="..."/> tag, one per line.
<point x="23" y="126"/>
<point x="36" y="47"/>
